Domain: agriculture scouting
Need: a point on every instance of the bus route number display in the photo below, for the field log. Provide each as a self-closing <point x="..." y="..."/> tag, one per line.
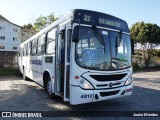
<point x="87" y="18"/>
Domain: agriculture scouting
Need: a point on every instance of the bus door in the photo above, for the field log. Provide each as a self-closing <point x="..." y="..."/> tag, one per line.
<point x="63" y="63"/>
<point x="20" y="59"/>
<point x="66" y="93"/>
<point x="58" y="63"/>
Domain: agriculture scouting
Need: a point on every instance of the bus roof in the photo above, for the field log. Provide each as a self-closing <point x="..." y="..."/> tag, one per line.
<point x="87" y="17"/>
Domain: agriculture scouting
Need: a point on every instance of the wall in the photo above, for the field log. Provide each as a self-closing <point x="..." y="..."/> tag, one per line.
<point x="8" y="59"/>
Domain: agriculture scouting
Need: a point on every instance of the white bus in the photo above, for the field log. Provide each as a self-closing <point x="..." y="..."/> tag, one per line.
<point x="84" y="56"/>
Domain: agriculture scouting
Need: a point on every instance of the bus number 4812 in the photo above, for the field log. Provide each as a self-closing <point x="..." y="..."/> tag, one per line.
<point x="87" y="96"/>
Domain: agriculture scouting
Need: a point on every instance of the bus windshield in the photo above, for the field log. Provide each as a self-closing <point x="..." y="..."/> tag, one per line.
<point x="114" y="54"/>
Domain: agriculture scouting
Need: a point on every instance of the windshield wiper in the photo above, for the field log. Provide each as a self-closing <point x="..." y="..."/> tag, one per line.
<point x="118" y="41"/>
<point x="98" y="35"/>
<point x="120" y="59"/>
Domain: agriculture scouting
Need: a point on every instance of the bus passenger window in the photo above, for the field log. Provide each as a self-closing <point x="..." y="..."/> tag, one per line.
<point x="43" y="38"/>
<point x="33" y="48"/>
<point x="50" y="43"/>
<point x="27" y="49"/>
<point x="39" y="46"/>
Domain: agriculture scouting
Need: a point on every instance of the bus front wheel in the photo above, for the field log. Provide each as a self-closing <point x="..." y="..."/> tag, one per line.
<point x="49" y="88"/>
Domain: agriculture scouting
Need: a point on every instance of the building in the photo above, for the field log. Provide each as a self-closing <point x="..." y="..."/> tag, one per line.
<point x="10" y="39"/>
<point x="9" y="35"/>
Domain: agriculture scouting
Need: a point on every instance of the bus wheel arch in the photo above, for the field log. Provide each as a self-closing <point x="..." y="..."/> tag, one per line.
<point x="45" y="79"/>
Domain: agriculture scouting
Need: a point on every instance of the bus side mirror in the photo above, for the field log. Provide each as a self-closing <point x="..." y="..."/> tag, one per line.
<point x="132" y="46"/>
<point x="75" y="34"/>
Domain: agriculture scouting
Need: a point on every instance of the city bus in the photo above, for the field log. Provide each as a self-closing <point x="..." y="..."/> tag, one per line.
<point x="83" y="57"/>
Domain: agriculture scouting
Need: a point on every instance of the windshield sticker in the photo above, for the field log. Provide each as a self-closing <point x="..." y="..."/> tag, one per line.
<point x="89" y="56"/>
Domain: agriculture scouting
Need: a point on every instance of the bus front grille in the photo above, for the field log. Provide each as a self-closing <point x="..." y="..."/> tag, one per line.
<point x="104" y="94"/>
<point x="108" y="77"/>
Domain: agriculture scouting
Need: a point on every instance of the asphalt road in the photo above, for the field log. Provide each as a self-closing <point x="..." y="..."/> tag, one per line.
<point x="19" y="95"/>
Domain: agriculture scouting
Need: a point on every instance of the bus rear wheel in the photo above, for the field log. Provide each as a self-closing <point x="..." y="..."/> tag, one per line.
<point x="24" y="74"/>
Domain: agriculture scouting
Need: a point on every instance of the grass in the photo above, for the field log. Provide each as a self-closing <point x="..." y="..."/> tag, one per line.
<point x="157" y="59"/>
<point x="157" y="68"/>
<point x="9" y="72"/>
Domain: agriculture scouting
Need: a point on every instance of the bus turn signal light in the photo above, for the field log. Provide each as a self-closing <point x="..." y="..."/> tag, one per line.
<point x="76" y="77"/>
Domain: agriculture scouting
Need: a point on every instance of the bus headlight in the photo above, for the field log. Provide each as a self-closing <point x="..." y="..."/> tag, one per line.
<point x="85" y="84"/>
<point x="129" y="81"/>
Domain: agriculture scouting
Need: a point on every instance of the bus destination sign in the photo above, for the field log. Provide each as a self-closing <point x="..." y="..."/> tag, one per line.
<point x="100" y="19"/>
<point x="103" y="21"/>
<point x="108" y="22"/>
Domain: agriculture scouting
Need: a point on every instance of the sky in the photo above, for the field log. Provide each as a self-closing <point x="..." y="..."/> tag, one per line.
<point x="22" y="12"/>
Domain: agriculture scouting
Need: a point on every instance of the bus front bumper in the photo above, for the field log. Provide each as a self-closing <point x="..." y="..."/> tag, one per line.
<point x="80" y="96"/>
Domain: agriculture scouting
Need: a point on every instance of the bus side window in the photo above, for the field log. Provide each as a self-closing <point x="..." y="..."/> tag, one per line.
<point x="26" y="47"/>
<point x="50" y="42"/>
<point x="32" y="49"/>
<point x="24" y="50"/>
<point x="34" y="46"/>
<point x="42" y="44"/>
<point x="29" y="47"/>
<point x="39" y="46"/>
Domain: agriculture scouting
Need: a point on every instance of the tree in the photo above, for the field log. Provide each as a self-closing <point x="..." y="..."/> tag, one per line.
<point x="26" y="32"/>
<point x="40" y="22"/>
<point x="29" y="30"/>
<point x="28" y="26"/>
<point x="148" y="35"/>
<point x="43" y="21"/>
<point x="51" y="18"/>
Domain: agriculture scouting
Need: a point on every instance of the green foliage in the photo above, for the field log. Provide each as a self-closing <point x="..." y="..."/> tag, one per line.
<point x="28" y="26"/>
<point x="157" y="53"/>
<point x="137" y="52"/>
<point x="145" y="33"/>
<point x="9" y="72"/>
<point x="157" y="60"/>
<point x="27" y="31"/>
<point x="148" y="35"/>
<point x="135" y="65"/>
<point x="44" y="21"/>
<point x="51" y="18"/>
<point x="40" y="22"/>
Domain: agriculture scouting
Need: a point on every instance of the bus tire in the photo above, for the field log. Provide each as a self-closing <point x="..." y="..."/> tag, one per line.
<point x="24" y="74"/>
<point x="49" y="88"/>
